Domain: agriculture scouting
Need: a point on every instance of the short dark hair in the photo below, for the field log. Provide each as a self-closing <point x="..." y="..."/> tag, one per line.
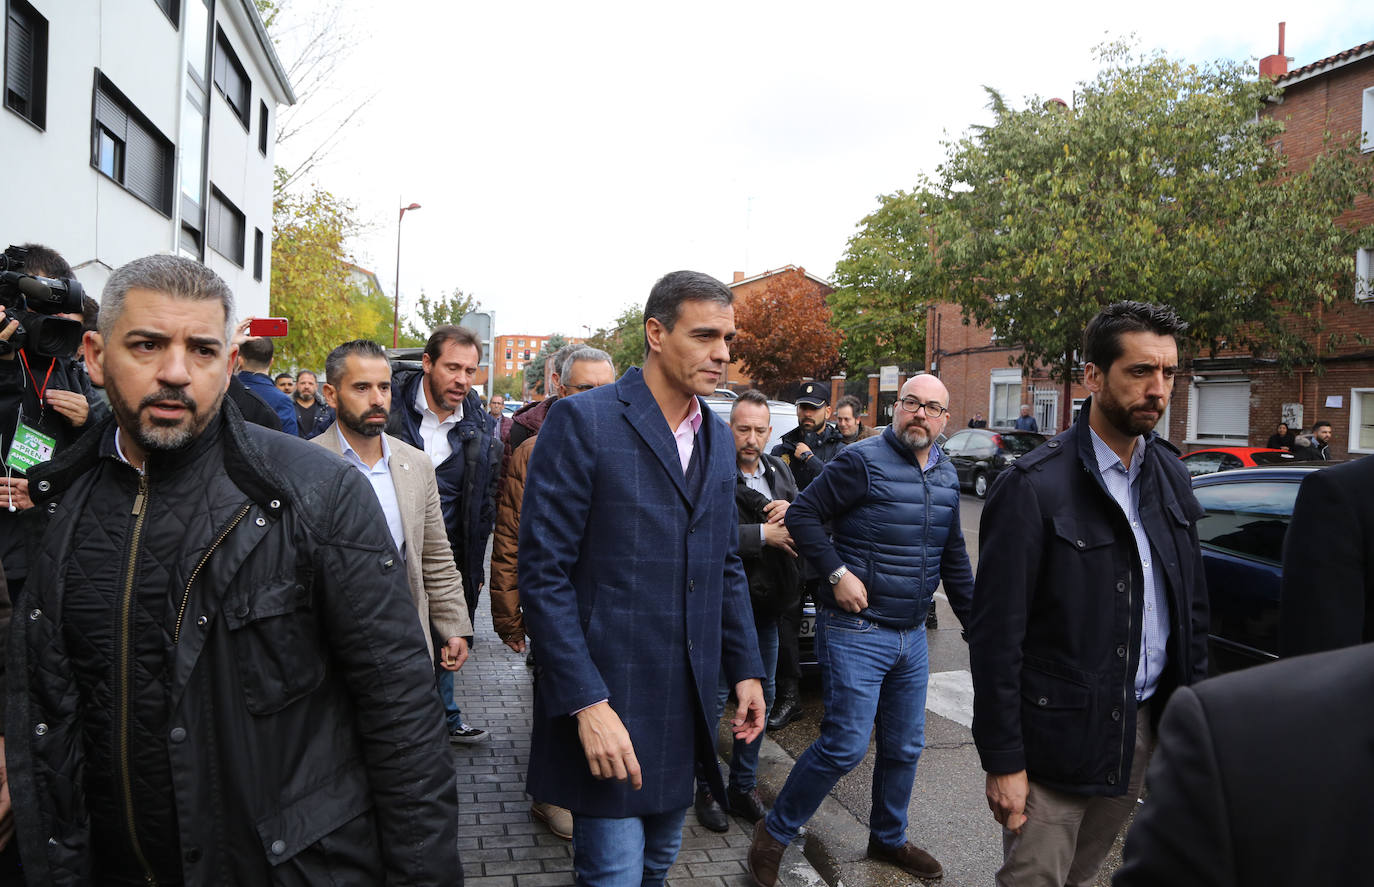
<point x="1102" y="338"/>
<point x="671" y="290"/>
<point x="1319" y="423"/>
<point x="338" y="358"/>
<point x="754" y="396"/>
<point x="279" y="376"/>
<point x="256" y="352"/>
<point x="44" y="261"/>
<point x="90" y="314"/>
<point x="310" y="373"/>
<point x="852" y="402"/>
<point x="445" y="334"/>
<point x="175" y="276"/>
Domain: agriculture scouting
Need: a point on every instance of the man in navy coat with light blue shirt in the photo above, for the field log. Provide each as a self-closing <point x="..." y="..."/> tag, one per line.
<point x="634" y="592"/>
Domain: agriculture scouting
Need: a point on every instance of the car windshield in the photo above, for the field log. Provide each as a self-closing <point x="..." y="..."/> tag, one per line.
<point x="1020" y="444"/>
<point x="1272" y="458"/>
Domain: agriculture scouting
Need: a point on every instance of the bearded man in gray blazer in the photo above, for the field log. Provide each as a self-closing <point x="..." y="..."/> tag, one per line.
<point x="358" y="388"/>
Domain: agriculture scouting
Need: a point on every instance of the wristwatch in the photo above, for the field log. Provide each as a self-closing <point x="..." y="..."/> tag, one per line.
<point x="836" y="576"/>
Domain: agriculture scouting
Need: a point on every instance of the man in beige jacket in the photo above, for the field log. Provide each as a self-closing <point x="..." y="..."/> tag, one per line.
<point x="358" y="387"/>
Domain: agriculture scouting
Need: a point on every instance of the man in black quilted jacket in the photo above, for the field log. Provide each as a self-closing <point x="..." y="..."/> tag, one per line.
<point x="218" y="677"/>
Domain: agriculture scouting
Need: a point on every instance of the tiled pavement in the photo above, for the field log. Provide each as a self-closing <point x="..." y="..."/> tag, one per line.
<point x="500" y="843"/>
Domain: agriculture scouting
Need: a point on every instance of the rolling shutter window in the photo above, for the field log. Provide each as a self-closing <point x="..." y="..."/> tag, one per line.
<point x="146" y="155"/>
<point x="26" y="62"/>
<point x="1223" y="411"/>
<point x="226" y="227"/>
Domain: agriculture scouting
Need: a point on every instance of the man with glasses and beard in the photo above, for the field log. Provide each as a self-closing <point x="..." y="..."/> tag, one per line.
<point x="892" y="504"/>
<point x="1092" y="612"/>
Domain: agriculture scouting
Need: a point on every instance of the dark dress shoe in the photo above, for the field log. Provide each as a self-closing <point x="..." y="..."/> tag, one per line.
<point x="765" y="855"/>
<point x="786" y="709"/>
<point x="710" y="813"/>
<point x="747" y="805"/>
<point x="908" y="857"/>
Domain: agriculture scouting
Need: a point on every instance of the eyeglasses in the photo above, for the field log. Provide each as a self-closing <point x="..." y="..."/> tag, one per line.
<point x="580" y="388"/>
<point x="933" y="409"/>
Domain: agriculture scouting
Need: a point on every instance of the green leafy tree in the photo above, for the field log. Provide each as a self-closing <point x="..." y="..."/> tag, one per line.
<point x="885" y="279"/>
<point x="1160" y="183"/>
<point x="447" y="309"/>
<point x="310" y="282"/>
<point x="508" y="386"/>
<point x="624" y="341"/>
<point x="534" y="370"/>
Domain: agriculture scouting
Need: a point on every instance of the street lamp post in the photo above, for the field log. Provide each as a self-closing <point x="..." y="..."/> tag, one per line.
<point x="396" y="302"/>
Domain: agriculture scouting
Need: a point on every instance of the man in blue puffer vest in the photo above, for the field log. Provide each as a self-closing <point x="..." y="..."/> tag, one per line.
<point x="893" y="504"/>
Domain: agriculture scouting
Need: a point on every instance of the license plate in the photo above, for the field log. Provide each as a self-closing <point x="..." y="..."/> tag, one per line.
<point x="808" y="627"/>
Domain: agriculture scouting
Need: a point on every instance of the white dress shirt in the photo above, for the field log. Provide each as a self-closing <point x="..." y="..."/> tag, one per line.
<point x="433" y="430"/>
<point x="379" y="476"/>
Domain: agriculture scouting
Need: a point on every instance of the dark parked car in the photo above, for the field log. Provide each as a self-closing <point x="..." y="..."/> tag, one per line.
<point x="980" y="454"/>
<point x="1248" y="512"/>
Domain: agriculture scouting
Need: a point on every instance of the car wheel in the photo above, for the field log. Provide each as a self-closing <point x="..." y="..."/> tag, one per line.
<point x="980" y="485"/>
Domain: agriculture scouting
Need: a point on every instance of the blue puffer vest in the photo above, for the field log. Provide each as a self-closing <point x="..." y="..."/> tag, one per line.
<point x="894" y="540"/>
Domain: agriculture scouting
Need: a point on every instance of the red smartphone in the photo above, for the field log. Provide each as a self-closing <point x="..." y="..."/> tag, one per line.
<point x="267" y="326"/>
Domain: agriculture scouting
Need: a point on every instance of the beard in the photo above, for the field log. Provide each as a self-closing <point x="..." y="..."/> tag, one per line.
<point x="916" y="437"/>
<point x="154" y="434"/>
<point x="1129" y="419"/>
<point x="440" y="400"/>
<point x="357" y="422"/>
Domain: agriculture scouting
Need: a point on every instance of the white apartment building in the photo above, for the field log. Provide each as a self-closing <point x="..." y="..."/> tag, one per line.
<point x="133" y="127"/>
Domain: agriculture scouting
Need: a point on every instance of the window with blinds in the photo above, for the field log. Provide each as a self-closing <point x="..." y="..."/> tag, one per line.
<point x="225" y="227"/>
<point x="1223" y="410"/>
<point x="231" y="79"/>
<point x="26" y="62"/>
<point x="1361" y="420"/>
<point x="126" y="147"/>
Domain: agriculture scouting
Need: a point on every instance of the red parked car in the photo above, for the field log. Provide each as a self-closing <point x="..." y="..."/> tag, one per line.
<point x="1215" y="459"/>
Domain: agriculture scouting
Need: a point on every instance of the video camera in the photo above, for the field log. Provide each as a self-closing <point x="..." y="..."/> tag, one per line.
<point x="33" y="301"/>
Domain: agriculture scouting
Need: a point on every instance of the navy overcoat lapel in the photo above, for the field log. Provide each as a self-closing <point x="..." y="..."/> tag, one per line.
<point x="644" y="415"/>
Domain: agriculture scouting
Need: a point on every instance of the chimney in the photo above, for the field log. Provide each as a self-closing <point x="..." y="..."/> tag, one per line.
<point x="1275" y="66"/>
<point x="739" y="275"/>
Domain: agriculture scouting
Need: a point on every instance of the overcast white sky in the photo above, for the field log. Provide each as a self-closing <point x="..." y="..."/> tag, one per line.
<point x="568" y="154"/>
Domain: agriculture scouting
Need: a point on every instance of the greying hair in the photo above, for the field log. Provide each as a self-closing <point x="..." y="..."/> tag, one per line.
<point x="754" y="396"/>
<point x="170" y="275"/>
<point x="579" y="354"/>
<point x="338" y="358"/>
<point x="560" y="356"/>
<point x="667" y="296"/>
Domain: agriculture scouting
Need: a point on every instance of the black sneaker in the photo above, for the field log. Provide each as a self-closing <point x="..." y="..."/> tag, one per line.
<point x="464" y="734"/>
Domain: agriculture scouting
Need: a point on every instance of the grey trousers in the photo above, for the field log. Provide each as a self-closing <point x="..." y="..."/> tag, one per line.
<point x="1066" y="837"/>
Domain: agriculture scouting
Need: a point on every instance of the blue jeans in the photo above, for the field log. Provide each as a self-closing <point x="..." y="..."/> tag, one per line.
<point x="632" y="852"/>
<point x="744" y="758"/>
<point x="871" y="676"/>
<point x="451" y="712"/>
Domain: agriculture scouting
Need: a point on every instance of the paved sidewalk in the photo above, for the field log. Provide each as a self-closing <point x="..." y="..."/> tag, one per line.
<point x="501" y="844"/>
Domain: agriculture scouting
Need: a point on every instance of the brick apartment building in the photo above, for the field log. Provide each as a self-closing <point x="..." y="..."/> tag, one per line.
<point x="1228" y="400"/>
<point x="512" y="352"/>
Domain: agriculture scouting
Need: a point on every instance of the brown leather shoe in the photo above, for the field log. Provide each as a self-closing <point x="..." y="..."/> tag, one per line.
<point x="765" y="855"/>
<point x="908" y="857"/>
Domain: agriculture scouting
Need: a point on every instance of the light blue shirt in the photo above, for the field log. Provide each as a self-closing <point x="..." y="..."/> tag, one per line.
<point x="1124" y="487"/>
<point x="379" y="476"/>
<point x="758" y="482"/>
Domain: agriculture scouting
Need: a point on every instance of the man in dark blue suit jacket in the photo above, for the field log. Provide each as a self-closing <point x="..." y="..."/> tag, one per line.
<point x="634" y="592"/>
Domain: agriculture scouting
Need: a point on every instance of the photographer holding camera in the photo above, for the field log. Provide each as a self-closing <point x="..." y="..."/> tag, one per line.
<point x="46" y="399"/>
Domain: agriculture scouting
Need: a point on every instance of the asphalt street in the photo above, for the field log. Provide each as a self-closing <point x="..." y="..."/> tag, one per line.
<point x="948" y="814"/>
